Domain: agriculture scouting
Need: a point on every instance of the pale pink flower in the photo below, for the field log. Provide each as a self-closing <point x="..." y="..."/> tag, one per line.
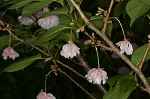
<point x="125" y="46"/>
<point x="41" y="12"/>
<point x="49" y="21"/>
<point x="70" y="50"/>
<point x="43" y="95"/>
<point x="96" y="76"/>
<point x="25" y="20"/>
<point x="9" y="52"/>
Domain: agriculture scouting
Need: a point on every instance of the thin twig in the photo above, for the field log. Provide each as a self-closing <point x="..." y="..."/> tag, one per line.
<point x="98" y="43"/>
<point x="107" y="16"/>
<point x="109" y="42"/>
<point x="70" y="69"/>
<point x="76" y="83"/>
<point x="144" y="57"/>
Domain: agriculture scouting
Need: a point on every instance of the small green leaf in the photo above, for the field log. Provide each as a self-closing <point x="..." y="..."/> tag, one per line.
<point x="21" y="64"/>
<point x="109" y="29"/>
<point x="20" y="4"/>
<point x="147" y="2"/>
<point x="122" y="89"/>
<point x="135" y="9"/>
<point x="138" y="55"/>
<point x="3" y="41"/>
<point x="36" y="6"/>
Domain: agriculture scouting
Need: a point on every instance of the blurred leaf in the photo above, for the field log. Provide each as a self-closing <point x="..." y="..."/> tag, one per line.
<point x="120" y="8"/>
<point x="122" y="89"/>
<point x="135" y="9"/>
<point x="52" y="44"/>
<point x="20" y="4"/>
<point x="109" y="29"/>
<point x="58" y="11"/>
<point x="112" y="81"/>
<point x="65" y="20"/>
<point x="61" y="2"/>
<point x="21" y="64"/>
<point x="66" y="35"/>
<point x="3" y="41"/>
<point x="51" y="33"/>
<point x="36" y="6"/>
<point x="147" y="2"/>
<point x="71" y="7"/>
<point x="138" y="55"/>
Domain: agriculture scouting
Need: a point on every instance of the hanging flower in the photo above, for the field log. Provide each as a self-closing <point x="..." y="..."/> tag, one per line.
<point x="9" y="52"/>
<point x="70" y="50"/>
<point x="49" y="21"/>
<point x="25" y="20"/>
<point x="125" y="46"/>
<point x="43" y="95"/>
<point x="96" y="76"/>
<point x="41" y="12"/>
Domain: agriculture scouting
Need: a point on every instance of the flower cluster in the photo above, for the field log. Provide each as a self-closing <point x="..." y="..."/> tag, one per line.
<point x="46" y="23"/>
<point x="125" y="46"/>
<point x="96" y="76"/>
<point x="70" y="50"/>
<point x="9" y="52"/>
<point x="43" y="95"/>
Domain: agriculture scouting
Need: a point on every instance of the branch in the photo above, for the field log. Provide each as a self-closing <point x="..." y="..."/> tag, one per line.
<point x="70" y="69"/>
<point x="107" y="16"/>
<point x="108" y="41"/>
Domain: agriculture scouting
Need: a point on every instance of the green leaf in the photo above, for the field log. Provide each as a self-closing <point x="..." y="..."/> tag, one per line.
<point x="3" y="41"/>
<point x="147" y="2"/>
<point x="50" y="34"/>
<point x="36" y="6"/>
<point x="112" y="80"/>
<point x="61" y="2"/>
<point x="138" y="55"/>
<point x="20" y="4"/>
<point x="58" y="11"/>
<point x="109" y="29"/>
<point x="135" y="9"/>
<point x="122" y="89"/>
<point x="52" y="44"/>
<point x="70" y="6"/>
<point x="120" y="8"/>
<point x="21" y="64"/>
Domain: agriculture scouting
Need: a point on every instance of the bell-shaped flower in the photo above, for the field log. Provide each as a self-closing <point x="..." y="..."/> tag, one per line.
<point x="49" y="21"/>
<point x="70" y="50"/>
<point x="96" y="76"/>
<point x="125" y="46"/>
<point x="43" y="95"/>
<point x="25" y="20"/>
<point x="9" y="52"/>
